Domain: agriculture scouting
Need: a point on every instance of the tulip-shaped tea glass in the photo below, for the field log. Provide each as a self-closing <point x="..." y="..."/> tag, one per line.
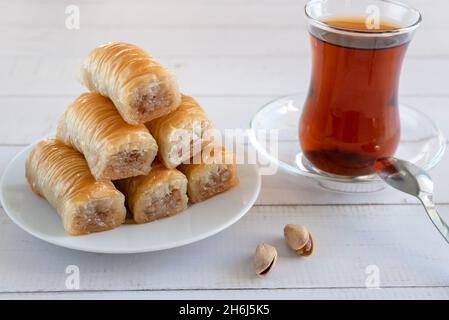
<point x="350" y="114"/>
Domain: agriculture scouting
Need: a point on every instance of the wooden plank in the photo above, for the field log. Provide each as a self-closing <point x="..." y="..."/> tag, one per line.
<point x="151" y="13"/>
<point x="234" y="56"/>
<point x="43" y="75"/>
<point x="185" y="41"/>
<point x="398" y="240"/>
<point x="427" y="293"/>
<point x="168" y="13"/>
<point x="6" y="155"/>
<point x="37" y="116"/>
<point x="282" y="189"/>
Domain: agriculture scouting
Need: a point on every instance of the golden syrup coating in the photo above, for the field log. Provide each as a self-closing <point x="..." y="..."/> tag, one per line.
<point x="60" y="174"/>
<point x="93" y="126"/>
<point x="215" y="172"/>
<point x="212" y="154"/>
<point x="126" y="73"/>
<point x="135" y="187"/>
<point x="161" y="193"/>
<point x="189" y="116"/>
<point x="189" y="110"/>
<point x="119" y="64"/>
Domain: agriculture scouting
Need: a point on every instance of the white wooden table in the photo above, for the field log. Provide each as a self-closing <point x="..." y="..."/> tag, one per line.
<point x="232" y="55"/>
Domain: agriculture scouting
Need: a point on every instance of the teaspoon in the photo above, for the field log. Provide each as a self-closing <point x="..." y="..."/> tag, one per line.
<point x="408" y="178"/>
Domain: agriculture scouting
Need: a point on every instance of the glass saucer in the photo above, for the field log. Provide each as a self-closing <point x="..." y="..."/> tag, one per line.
<point x="422" y="143"/>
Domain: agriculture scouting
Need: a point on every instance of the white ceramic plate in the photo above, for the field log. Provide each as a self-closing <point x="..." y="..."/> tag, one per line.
<point x="34" y="215"/>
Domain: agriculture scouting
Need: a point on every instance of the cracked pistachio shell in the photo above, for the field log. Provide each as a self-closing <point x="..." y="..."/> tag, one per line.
<point x="299" y="239"/>
<point x="264" y="259"/>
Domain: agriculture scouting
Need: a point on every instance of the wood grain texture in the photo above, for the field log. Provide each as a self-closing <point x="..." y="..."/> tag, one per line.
<point x="282" y="189"/>
<point x="425" y="293"/>
<point x="191" y="41"/>
<point x="233" y="56"/>
<point x="347" y="239"/>
<point x="37" y="115"/>
<point x="201" y="13"/>
<point x="46" y="75"/>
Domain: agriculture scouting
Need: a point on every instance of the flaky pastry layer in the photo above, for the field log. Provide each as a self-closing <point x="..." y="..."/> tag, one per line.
<point x="60" y="174"/>
<point x="140" y="87"/>
<point x="113" y="148"/>
<point x="159" y="194"/>
<point x="182" y="133"/>
<point x="215" y="173"/>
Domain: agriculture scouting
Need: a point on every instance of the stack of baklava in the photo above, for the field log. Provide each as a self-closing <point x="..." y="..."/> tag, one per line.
<point x="129" y="141"/>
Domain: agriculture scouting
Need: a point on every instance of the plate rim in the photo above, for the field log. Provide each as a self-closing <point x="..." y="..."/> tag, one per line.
<point x="244" y="210"/>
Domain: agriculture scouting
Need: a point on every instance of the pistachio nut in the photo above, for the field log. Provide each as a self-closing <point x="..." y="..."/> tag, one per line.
<point x="264" y="259"/>
<point x="299" y="239"/>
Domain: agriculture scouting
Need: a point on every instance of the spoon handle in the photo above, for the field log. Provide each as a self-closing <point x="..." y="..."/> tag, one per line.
<point x="437" y="221"/>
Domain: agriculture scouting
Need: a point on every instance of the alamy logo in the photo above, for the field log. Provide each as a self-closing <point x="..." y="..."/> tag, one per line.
<point x="72" y="21"/>
<point x="72" y="282"/>
<point x="372" y="280"/>
<point x="372" y="21"/>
